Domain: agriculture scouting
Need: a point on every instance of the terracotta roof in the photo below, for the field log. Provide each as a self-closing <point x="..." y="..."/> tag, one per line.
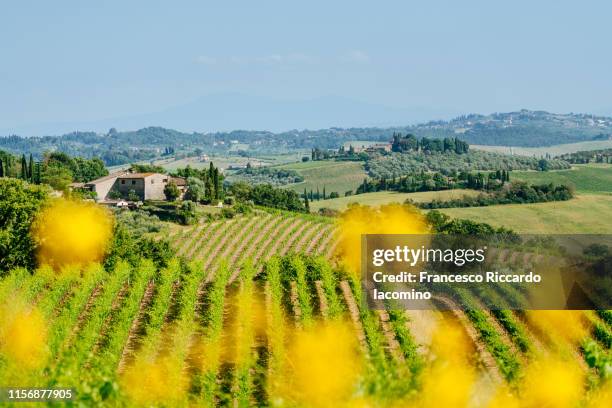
<point x="136" y="175"/>
<point x="179" y="181"/>
<point x="106" y="178"/>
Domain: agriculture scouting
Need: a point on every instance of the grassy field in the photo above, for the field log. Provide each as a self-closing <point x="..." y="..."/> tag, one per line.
<point x="590" y="178"/>
<point x="552" y="150"/>
<point x="334" y="176"/>
<point x="587" y="213"/>
<point x="386" y="197"/>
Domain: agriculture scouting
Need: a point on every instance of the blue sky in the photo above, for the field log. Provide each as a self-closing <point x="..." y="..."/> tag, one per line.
<point x="79" y="62"/>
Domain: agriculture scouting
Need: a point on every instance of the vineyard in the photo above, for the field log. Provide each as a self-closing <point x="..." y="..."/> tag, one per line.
<point x="255" y="311"/>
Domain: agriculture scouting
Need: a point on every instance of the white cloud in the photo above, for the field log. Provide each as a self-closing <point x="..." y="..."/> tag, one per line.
<point x="356" y="56"/>
<point x="206" y="60"/>
<point x="271" y="59"/>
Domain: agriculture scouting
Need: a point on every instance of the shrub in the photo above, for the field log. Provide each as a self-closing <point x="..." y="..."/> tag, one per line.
<point x="19" y="204"/>
<point x="228" y="213"/>
<point x="171" y="191"/>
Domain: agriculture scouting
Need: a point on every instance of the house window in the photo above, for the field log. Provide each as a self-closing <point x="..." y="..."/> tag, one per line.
<point x="165" y="180"/>
<point x="122" y="181"/>
<point x="133" y="182"/>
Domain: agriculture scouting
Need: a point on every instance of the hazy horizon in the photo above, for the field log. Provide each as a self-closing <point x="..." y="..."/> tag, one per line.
<point x="275" y="66"/>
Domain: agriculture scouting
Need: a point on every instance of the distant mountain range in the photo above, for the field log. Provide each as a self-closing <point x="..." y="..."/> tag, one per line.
<point x="522" y="128"/>
<point x="231" y="111"/>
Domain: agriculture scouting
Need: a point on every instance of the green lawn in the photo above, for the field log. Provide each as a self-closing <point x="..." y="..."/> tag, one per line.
<point x="590" y="178"/>
<point x="334" y="176"/>
<point x="386" y="197"/>
<point x="587" y="213"/>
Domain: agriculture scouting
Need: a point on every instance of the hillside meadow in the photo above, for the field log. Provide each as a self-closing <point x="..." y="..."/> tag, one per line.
<point x="585" y="214"/>
<point x="554" y="150"/>
<point x="334" y="176"/>
<point x="387" y="197"/>
<point x="589" y="178"/>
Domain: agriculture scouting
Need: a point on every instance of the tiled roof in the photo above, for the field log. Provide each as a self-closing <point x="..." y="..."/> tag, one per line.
<point x="106" y="178"/>
<point x="179" y="181"/>
<point x="136" y="175"/>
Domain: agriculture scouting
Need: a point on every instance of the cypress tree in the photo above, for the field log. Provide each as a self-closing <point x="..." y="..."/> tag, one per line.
<point x="306" y="204"/>
<point x="24" y="168"/>
<point x="1" y="168"/>
<point x="216" y="182"/>
<point x="324" y="195"/>
<point x="31" y="169"/>
<point x="38" y="177"/>
<point x="318" y="194"/>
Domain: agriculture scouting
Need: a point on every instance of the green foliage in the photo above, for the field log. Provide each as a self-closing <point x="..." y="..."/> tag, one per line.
<point x="606" y="316"/>
<point x="20" y="202"/>
<point x="304" y="298"/>
<point x="585" y="179"/>
<point x="243" y="208"/>
<point x="389" y="166"/>
<point x="268" y="196"/>
<point x="171" y="191"/>
<point x="407" y="343"/>
<point x="507" y="362"/>
<point x="602" y="335"/>
<point x="147" y="168"/>
<point x="132" y="196"/>
<point x="410" y="143"/>
<point x="196" y="189"/>
<point x="115" y="195"/>
<point x="57" y="177"/>
<point x="597" y="358"/>
<point x="266" y="175"/>
<point x="209" y="188"/>
<point x="138" y="222"/>
<point x="78" y="168"/>
<point x="516" y="332"/>
<point x="588" y="156"/>
<point x="131" y="247"/>
<point x="228" y="212"/>
<point x="442" y="223"/>
<point x="329" y="280"/>
<point x="186" y="213"/>
<point x="516" y="193"/>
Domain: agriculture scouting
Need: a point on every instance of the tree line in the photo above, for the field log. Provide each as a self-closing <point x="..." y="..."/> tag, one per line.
<point x="592" y="156"/>
<point x="411" y="143"/>
<point x="268" y="196"/>
<point x="516" y="193"/>
<point x="436" y="181"/>
<point x="204" y="185"/>
<point x="56" y="169"/>
<point x="266" y="175"/>
<point x="447" y="163"/>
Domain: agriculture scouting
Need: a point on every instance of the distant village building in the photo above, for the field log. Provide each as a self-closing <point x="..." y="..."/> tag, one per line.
<point x="373" y="148"/>
<point x="379" y="147"/>
<point x="147" y="186"/>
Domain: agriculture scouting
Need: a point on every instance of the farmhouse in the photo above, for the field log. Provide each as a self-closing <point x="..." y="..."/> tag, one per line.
<point x="147" y="186"/>
<point x="373" y="148"/>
